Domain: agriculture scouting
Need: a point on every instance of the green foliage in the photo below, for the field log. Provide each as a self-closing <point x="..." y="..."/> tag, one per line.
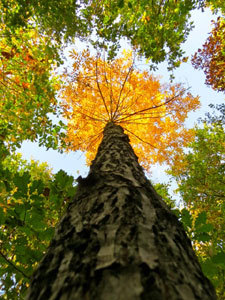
<point x="200" y="174"/>
<point x="208" y="244"/>
<point x="32" y="200"/>
<point x="156" y="29"/>
<point x="61" y="19"/>
<point x="28" y="85"/>
<point x="28" y="90"/>
<point x="216" y="5"/>
<point x="162" y="190"/>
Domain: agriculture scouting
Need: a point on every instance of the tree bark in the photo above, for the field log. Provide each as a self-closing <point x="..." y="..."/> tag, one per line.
<point x="118" y="239"/>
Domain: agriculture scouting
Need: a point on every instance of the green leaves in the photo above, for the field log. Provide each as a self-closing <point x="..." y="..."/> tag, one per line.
<point x="200" y="177"/>
<point x="28" y="89"/>
<point x="202" y="230"/>
<point x="32" y="200"/>
<point x="58" y="19"/>
<point x="156" y="30"/>
<point x="219" y="258"/>
<point x="162" y="190"/>
<point x="201" y="219"/>
<point x="186" y="218"/>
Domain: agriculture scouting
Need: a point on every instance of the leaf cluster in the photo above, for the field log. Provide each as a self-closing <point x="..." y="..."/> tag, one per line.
<point x="207" y="245"/>
<point x="156" y="29"/>
<point x="58" y="19"/>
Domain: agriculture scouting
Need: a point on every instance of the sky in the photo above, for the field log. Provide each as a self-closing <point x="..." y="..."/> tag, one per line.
<point x="74" y="162"/>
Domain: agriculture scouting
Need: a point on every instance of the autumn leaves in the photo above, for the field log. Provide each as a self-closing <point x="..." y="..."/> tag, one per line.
<point x="98" y="91"/>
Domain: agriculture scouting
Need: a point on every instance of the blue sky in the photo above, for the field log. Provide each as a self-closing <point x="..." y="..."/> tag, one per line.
<point x="74" y="162"/>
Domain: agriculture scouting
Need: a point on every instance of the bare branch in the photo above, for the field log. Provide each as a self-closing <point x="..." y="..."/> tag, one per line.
<point x="103" y="99"/>
<point x="140" y="138"/>
<point x="152" y="107"/>
<point x="123" y="85"/>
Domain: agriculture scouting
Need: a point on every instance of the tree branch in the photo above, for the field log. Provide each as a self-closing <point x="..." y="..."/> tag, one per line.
<point x="103" y="99"/>
<point x="14" y="266"/>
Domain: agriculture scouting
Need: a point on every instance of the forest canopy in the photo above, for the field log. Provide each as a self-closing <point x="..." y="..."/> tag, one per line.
<point x="33" y="35"/>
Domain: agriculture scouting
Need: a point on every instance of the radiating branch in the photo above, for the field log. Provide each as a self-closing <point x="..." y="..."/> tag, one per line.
<point x="140" y="138"/>
<point x="92" y="118"/>
<point x="122" y="88"/>
<point x="152" y="107"/>
<point x="100" y="91"/>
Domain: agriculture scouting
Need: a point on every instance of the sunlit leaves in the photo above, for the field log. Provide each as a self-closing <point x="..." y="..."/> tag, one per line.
<point x="97" y="92"/>
<point x="58" y="19"/>
<point x="215" y="5"/>
<point x="155" y="28"/>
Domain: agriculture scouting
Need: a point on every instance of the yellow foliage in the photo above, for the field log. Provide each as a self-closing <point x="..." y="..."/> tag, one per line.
<point x="152" y="114"/>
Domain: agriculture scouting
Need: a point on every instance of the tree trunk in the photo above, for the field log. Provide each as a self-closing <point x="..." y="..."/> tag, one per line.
<point x="118" y="239"/>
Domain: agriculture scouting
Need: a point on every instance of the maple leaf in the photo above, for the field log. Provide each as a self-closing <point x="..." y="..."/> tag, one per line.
<point x="152" y="114"/>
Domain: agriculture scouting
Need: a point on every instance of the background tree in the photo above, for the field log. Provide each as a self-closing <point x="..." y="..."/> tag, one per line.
<point x="27" y="214"/>
<point x="200" y="177"/>
<point x="26" y="89"/>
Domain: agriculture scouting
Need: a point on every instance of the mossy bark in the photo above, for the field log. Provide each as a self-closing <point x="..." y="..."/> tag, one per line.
<point x="118" y="239"/>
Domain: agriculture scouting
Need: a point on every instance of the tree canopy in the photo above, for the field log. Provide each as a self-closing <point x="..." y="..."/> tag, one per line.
<point x="153" y="114"/>
<point x="156" y="29"/>
<point x="33" y="33"/>
<point x="27" y="88"/>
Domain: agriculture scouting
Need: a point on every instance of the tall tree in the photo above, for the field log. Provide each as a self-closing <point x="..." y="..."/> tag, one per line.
<point x="118" y="239"/>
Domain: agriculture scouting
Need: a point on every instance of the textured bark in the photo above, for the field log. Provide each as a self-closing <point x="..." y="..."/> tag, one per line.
<point x="118" y="239"/>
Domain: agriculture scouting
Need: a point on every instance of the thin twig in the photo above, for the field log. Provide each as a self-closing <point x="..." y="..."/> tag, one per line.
<point x="103" y="99"/>
<point x="121" y="90"/>
<point x="140" y="138"/>
<point x="92" y="118"/>
<point x="12" y="264"/>
<point x="152" y="107"/>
